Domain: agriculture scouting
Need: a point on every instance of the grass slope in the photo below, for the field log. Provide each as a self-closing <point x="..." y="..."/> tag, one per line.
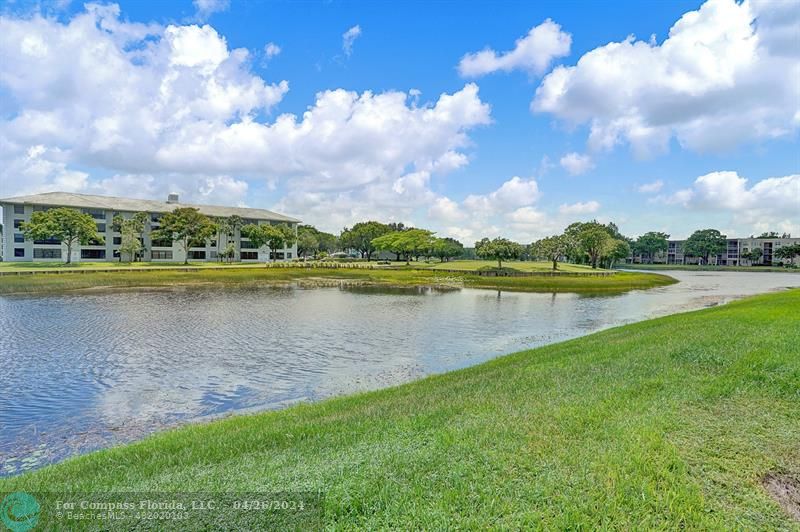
<point x="51" y="282"/>
<point x="523" y="266"/>
<point x="668" y="423"/>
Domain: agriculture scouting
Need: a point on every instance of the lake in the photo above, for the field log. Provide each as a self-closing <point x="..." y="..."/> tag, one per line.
<point x="89" y="370"/>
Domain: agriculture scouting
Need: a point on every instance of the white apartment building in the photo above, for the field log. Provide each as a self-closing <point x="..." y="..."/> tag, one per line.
<point x="732" y="256"/>
<point x="103" y="209"/>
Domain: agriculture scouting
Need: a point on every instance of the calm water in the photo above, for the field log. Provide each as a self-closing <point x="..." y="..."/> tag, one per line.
<point x="84" y="371"/>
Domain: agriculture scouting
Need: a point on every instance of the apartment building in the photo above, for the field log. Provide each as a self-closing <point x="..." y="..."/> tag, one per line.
<point x="733" y="254"/>
<point x="104" y="208"/>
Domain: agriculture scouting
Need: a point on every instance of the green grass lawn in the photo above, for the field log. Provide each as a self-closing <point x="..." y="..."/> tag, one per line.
<point x="665" y="424"/>
<point x="618" y="282"/>
<point x="523" y="266"/>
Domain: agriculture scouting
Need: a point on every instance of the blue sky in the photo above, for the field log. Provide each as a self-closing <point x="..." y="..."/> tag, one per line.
<point x="673" y="133"/>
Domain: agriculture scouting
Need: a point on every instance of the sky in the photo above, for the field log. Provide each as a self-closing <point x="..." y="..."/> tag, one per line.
<point x="471" y="119"/>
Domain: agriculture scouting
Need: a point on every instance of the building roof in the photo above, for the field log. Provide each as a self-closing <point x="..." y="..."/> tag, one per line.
<point x="88" y="201"/>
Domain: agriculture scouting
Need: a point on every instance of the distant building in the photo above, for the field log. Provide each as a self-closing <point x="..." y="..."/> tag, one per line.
<point x="732" y="256"/>
<point x="104" y="208"/>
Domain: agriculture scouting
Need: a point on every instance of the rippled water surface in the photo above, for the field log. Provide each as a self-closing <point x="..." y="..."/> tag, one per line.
<point x="84" y="371"/>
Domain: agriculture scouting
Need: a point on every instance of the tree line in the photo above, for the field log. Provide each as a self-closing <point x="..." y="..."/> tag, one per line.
<point x="592" y="243"/>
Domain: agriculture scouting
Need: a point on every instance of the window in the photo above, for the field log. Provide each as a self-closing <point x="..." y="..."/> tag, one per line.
<point x="46" y="253"/>
<point x="161" y="255"/>
<point x="93" y="253"/>
<point x="18" y="223"/>
<point x="117" y="240"/>
<point x="155" y="218"/>
<point x="47" y="242"/>
<point x="115" y="253"/>
<point x="19" y="237"/>
<point x="95" y="213"/>
<point x="94" y="242"/>
<point x="288" y="254"/>
<point x="19" y="252"/>
<point x="40" y="208"/>
<point x="162" y="243"/>
<point x="197" y="255"/>
<point x="249" y="255"/>
<point x="246" y="244"/>
<point x="19" y="209"/>
<point x="276" y="255"/>
<point x="101" y="228"/>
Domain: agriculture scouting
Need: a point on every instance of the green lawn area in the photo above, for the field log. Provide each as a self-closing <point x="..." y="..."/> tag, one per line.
<point x="670" y="423"/>
<point x="524" y="266"/>
<point x="246" y="275"/>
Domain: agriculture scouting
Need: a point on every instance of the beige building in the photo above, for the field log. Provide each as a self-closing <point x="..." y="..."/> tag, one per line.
<point x="103" y="209"/>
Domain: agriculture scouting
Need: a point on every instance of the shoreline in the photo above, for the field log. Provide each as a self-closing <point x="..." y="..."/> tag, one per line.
<point x="503" y="404"/>
<point x="77" y="282"/>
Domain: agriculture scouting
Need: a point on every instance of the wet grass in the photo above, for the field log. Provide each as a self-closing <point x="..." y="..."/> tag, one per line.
<point x="670" y="423"/>
<point x="54" y="282"/>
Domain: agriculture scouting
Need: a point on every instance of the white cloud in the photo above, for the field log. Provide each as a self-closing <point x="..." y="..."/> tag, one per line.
<point x="533" y="53"/>
<point x="445" y="209"/>
<point x="651" y="188"/>
<point x="770" y="202"/>
<point x="576" y="164"/>
<point x="728" y="73"/>
<point x="515" y="192"/>
<point x="206" y="8"/>
<point x="271" y="50"/>
<point x="348" y="38"/>
<point x="586" y="207"/>
<point x="176" y="108"/>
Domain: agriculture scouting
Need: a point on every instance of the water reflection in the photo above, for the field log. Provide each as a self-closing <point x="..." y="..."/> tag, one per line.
<point x="84" y="371"/>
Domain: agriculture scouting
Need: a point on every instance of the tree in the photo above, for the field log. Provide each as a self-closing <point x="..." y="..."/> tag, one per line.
<point x="307" y="240"/>
<point x="186" y="225"/>
<point x="595" y="242"/>
<point x="754" y="255"/>
<point x="390" y="242"/>
<point x="131" y="230"/>
<point x="361" y="235"/>
<point x="499" y="249"/>
<point x="273" y="236"/>
<point x="228" y="253"/>
<point x="651" y="243"/>
<point x="447" y="248"/>
<point x="409" y="243"/>
<point x="551" y="249"/>
<point x="70" y="226"/>
<point x="328" y="242"/>
<point x="233" y="223"/>
<point x="619" y="250"/>
<point x="416" y="242"/>
<point x="704" y="243"/>
<point x="787" y="252"/>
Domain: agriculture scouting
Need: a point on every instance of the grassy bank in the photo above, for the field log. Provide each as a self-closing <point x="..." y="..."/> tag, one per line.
<point x="523" y="266"/>
<point x="669" y="423"/>
<point x="695" y="268"/>
<point x="254" y="276"/>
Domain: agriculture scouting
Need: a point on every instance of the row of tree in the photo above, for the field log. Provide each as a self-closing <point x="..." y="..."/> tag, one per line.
<point x="590" y="243"/>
